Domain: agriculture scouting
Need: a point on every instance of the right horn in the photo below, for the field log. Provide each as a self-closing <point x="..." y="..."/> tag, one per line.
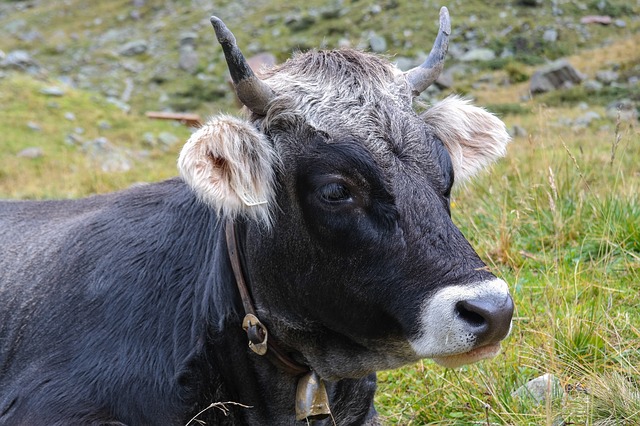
<point x="254" y="93"/>
<point x="421" y="77"/>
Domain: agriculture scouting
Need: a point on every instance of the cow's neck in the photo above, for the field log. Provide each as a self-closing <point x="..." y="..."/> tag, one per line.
<point x="311" y="400"/>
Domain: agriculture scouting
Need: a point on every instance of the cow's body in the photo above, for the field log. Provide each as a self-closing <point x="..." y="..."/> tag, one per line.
<point x="123" y="308"/>
<point x="127" y="312"/>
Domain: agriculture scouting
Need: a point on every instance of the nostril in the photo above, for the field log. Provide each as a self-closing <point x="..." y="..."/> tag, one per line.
<point x="488" y="319"/>
<point x="472" y="312"/>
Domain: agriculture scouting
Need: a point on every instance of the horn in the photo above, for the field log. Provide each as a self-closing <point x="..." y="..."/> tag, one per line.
<point x="254" y="93"/>
<point x="421" y="77"/>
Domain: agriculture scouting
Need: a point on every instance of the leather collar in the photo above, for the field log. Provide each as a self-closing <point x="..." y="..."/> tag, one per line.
<point x="259" y="340"/>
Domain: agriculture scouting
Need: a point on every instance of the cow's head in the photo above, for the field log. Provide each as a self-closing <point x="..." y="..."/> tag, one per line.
<point x="351" y="254"/>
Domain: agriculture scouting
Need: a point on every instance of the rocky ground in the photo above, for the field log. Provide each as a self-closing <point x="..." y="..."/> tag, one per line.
<point x="161" y="55"/>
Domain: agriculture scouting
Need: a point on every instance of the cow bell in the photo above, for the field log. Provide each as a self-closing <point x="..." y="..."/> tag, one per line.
<point x="312" y="402"/>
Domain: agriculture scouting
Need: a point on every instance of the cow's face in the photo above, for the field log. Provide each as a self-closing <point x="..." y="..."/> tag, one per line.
<point x="353" y="259"/>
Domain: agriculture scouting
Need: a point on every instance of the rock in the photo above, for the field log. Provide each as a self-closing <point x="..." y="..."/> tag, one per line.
<point x="586" y="119"/>
<point x="70" y="116"/>
<point x="404" y="63"/>
<point x="52" y="91"/>
<point x="135" y="47"/>
<point x="554" y="76"/>
<point x="104" y="125"/>
<point x="445" y="79"/>
<point x="109" y="157"/>
<point x="626" y="109"/>
<point x="518" y="132"/>
<point x="188" y="39"/>
<point x="149" y="140"/>
<point x="32" y="125"/>
<point x="188" y="60"/>
<point x="377" y="43"/>
<point x="479" y="54"/>
<point x="18" y="59"/>
<point x="619" y="23"/>
<point x="31" y="152"/>
<point x="539" y="389"/>
<point x="73" y="139"/>
<point x="168" y="139"/>
<point x="550" y="36"/>
<point x="592" y="86"/>
<point x="120" y="104"/>
<point x="607" y="76"/>
<point x="297" y="22"/>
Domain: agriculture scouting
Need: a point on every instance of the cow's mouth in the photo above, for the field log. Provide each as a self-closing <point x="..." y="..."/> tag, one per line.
<point x="474" y="355"/>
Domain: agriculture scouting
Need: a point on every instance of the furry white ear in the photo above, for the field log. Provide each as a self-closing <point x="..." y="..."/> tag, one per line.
<point x="230" y="165"/>
<point x="474" y="137"/>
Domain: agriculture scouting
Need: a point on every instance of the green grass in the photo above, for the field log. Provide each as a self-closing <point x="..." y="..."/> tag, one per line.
<point x="65" y="169"/>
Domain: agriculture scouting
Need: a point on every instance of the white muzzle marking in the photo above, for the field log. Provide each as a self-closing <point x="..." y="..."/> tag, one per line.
<point x="447" y="337"/>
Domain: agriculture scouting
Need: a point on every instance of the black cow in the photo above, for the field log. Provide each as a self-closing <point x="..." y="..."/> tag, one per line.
<point x="327" y="208"/>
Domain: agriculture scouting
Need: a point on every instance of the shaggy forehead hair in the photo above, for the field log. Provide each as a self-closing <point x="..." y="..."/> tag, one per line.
<point x="348" y="92"/>
<point x="336" y="84"/>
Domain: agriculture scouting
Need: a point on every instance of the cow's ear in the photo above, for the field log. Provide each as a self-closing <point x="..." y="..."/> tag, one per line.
<point x="474" y="137"/>
<point x="230" y="165"/>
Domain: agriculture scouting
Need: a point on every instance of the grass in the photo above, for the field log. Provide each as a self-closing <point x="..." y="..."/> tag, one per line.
<point x="558" y="218"/>
<point x="65" y="169"/>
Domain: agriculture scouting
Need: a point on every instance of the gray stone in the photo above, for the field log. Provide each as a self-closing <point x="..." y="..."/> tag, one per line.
<point x="297" y="22"/>
<point x="188" y="38"/>
<point x="586" y="119"/>
<point x="607" y="76"/>
<point x="405" y="63"/>
<point x="168" y="139"/>
<point x="539" y="389"/>
<point x="117" y="102"/>
<point x="135" y="47"/>
<point x="30" y="36"/>
<point x="31" y="152"/>
<point x="73" y="139"/>
<point x="626" y="109"/>
<point x="104" y="125"/>
<point x="592" y="85"/>
<point x="377" y="43"/>
<point x="479" y="54"/>
<point x="445" y="79"/>
<point x="556" y="75"/>
<point x="620" y="23"/>
<point x="109" y="157"/>
<point x="70" y="116"/>
<point x="52" y="91"/>
<point x="550" y="36"/>
<point x="34" y="126"/>
<point x="518" y="132"/>
<point x="18" y="59"/>
<point x="149" y="139"/>
<point x="188" y="60"/>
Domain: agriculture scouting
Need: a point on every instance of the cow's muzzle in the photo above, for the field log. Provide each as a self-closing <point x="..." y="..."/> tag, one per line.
<point x="461" y="324"/>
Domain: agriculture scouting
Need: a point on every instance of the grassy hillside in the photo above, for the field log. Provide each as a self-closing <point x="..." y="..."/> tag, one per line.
<point x="558" y="218"/>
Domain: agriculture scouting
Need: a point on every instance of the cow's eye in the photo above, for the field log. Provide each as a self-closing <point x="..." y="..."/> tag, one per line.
<point x="335" y="192"/>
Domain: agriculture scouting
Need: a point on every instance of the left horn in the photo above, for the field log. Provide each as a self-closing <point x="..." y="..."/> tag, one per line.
<point x="254" y="93"/>
<point x="423" y="76"/>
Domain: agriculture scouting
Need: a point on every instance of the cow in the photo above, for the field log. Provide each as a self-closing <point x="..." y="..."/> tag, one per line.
<point x="303" y="247"/>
